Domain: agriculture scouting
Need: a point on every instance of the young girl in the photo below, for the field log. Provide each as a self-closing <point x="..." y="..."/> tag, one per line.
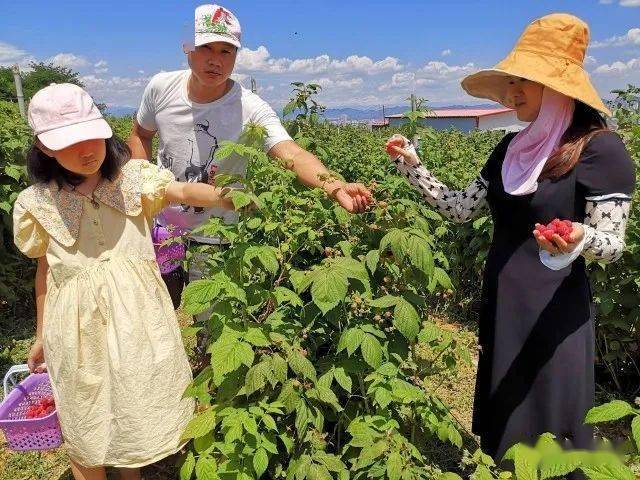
<point x="105" y="322"/>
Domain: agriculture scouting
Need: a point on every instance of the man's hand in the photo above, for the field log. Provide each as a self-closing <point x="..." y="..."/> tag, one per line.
<point x="353" y="197"/>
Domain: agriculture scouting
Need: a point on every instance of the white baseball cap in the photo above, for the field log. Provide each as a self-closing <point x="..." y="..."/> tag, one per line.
<point x="64" y="114"/>
<point x="214" y="23"/>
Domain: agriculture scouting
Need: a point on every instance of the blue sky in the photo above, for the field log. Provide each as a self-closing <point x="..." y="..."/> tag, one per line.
<point x="364" y="53"/>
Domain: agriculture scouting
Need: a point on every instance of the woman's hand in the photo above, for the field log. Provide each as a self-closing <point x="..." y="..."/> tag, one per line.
<point x="397" y="145"/>
<point x="35" y="360"/>
<point x="556" y="245"/>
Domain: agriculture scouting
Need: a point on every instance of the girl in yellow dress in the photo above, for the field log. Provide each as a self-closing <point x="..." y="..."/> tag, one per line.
<point x="106" y="329"/>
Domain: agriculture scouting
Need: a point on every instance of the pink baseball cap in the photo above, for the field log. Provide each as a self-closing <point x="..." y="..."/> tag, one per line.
<point x="214" y="23"/>
<point x="64" y="114"/>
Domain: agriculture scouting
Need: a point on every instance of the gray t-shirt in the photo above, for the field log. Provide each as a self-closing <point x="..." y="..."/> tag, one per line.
<point x="190" y="133"/>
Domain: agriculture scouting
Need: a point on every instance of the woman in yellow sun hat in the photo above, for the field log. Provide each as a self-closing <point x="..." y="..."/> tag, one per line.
<point x="535" y="371"/>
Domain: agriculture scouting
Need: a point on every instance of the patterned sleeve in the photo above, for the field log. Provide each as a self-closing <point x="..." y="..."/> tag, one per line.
<point x="457" y="205"/>
<point x="606" y="176"/>
<point x="28" y="235"/>
<point x="604" y="228"/>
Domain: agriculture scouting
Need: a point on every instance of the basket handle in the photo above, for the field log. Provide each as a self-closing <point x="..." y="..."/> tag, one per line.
<point x="8" y="378"/>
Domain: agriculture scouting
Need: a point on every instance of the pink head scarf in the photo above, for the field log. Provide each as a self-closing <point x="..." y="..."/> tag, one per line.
<point x="529" y="150"/>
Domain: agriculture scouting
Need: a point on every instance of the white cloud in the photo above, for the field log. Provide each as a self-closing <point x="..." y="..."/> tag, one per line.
<point x="436" y="69"/>
<point x="446" y="53"/>
<point x="260" y="60"/>
<point x="101" y="66"/>
<point x="623" y="3"/>
<point x="68" y="60"/>
<point x="10" y="55"/>
<point x="141" y="72"/>
<point x="590" y="60"/>
<point x="618" y="68"/>
<point x="632" y="37"/>
<point x="10" y="52"/>
<point x="338" y="83"/>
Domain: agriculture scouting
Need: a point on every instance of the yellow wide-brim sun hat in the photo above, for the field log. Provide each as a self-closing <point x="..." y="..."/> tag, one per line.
<point x="551" y="51"/>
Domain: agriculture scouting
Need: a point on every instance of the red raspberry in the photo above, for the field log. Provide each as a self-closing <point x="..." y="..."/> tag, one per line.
<point x="548" y="234"/>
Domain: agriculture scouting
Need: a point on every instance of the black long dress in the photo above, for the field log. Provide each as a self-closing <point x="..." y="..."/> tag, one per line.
<point x="536" y="364"/>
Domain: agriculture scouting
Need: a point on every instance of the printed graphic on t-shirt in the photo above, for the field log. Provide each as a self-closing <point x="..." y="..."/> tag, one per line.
<point x="199" y="169"/>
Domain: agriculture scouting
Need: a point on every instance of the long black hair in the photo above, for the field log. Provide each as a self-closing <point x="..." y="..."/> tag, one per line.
<point x="43" y="168"/>
<point x="587" y="122"/>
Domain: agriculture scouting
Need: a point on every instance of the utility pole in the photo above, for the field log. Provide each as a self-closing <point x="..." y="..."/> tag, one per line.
<point x="254" y="86"/>
<point x="17" y="79"/>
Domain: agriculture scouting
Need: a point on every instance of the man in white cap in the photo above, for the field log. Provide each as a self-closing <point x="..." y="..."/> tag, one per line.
<point x="193" y="110"/>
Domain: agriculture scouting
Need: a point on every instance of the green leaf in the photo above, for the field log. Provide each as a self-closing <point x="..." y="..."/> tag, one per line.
<point x="396" y="239"/>
<point x="280" y="367"/>
<point x="635" y="429"/>
<point x="449" y="476"/>
<point x="526" y="463"/>
<point x="371" y="350"/>
<point x="419" y="254"/>
<point x="442" y="278"/>
<point x="206" y="469"/>
<point x="318" y="472"/>
<point x="329" y="288"/>
<point x="239" y="198"/>
<point x="608" y="472"/>
<point x="406" y="319"/>
<point x="284" y="295"/>
<point x="560" y="464"/>
<point x="383" y="397"/>
<point x="384" y="302"/>
<point x="189" y="464"/>
<point x="608" y="412"/>
<point x="302" y="366"/>
<point x="226" y="148"/>
<point x="199" y="294"/>
<point x="256" y="377"/>
<point x="229" y="357"/>
<point x="343" y="379"/>
<point x="369" y="455"/>
<point x="260" y="462"/>
<point x="372" y="259"/>
<point x="266" y="255"/>
<point x="394" y="466"/>
<point x="351" y="340"/>
<point x="200" y="425"/>
<point x="255" y="336"/>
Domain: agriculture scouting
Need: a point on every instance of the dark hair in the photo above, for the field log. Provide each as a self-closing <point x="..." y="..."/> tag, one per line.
<point x="43" y="168"/>
<point x="587" y="122"/>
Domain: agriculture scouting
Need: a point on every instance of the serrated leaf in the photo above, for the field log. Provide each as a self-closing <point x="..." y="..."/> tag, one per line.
<point x="302" y="366"/>
<point x="255" y="336"/>
<point x="371" y="350"/>
<point x="608" y="412"/>
<point x="279" y="367"/>
<point x="188" y="466"/>
<point x="329" y="288"/>
<point x="239" y="199"/>
<point x="266" y="256"/>
<point x="260" y="462"/>
<point x="318" y="472"/>
<point x="200" y="425"/>
<point x="394" y="466"/>
<point x="206" y="469"/>
<point x="406" y="319"/>
<point x="351" y="340"/>
<point x="343" y="379"/>
<point x="256" y="377"/>
<point x="199" y="294"/>
<point x="560" y="464"/>
<point x="419" y="254"/>
<point x="382" y="397"/>
<point x="384" y="302"/>
<point x="635" y="430"/>
<point x="229" y="357"/>
<point x="372" y="259"/>
<point x="284" y="295"/>
<point x="369" y="455"/>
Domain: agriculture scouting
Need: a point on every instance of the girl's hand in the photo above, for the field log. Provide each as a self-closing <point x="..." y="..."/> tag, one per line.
<point x="556" y="245"/>
<point x="397" y="146"/>
<point x="35" y="360"/>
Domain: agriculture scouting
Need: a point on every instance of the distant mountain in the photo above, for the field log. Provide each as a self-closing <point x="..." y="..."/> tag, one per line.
<point x="118" y="111"/>
<point x="346" y="113"/>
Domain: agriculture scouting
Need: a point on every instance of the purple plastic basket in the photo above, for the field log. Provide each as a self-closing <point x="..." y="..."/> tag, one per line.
<point x="22" y="433"/>
<point x="170" y="255"/>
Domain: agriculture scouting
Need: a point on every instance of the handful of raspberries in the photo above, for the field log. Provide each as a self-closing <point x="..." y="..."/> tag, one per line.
<point x="44" y="407"/>
<point x="561" y="227"/>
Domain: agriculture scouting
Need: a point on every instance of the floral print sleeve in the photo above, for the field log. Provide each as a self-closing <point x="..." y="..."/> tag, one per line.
<point x="457" y="205"/>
